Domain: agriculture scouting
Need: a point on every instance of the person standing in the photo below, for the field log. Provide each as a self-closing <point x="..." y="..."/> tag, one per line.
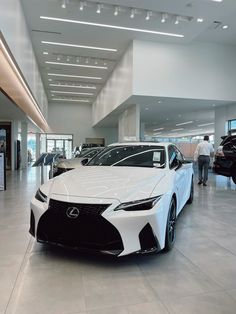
<point x="202" y="154"/>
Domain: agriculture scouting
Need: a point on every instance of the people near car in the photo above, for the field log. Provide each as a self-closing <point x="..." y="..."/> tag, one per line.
<point x="202" y="154"/>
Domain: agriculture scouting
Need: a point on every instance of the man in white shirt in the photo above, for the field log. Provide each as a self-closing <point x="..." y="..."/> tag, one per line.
<point x="203" y="152"/>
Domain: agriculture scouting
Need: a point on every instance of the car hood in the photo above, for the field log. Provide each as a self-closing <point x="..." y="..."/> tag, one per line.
<point x="70" y="163"/>
<point x="121" y="183"/>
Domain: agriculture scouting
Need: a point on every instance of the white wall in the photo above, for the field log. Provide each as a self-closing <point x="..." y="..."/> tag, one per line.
<point x="77" y="120"/>
<point x="129" y="124"/>
<point x="198" y="71"/>
<point x="117" y="89"/>
<point x="15" y="32"/>
<point x="222" y="115"/>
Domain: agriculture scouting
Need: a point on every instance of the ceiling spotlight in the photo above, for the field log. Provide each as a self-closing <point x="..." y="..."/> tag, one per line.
<point x="77" y="59"/>
<point x="116" y="11"/>
<point x="86" y="60"/>
<point x="98" y="8"/>
<point x="50" y="80"/>
<point x="81" y="5"/>
<point x="96" y="61"/>
<point x="148" y="15"/>
<point x="225" y="26"/>
<point x="45" y="53"/>
<point x="132" y="12"/>
<point x="104" y="63"/>
<point x="58" y="58"/>
<point x="177" y="20"/>
<point x="67" y="58"/>
<point x="163" y="17"/>
<point x="200" y="20"/>
<point x="63" y="4"/>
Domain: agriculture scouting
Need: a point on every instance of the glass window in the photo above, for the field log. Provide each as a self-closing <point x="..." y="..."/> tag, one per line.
<point x="131" y="156"/>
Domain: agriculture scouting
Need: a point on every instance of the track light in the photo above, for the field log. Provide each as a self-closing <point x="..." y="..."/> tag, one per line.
<point x="68" y="59"/>
<point x="177" y="20"/>
<point x="77" y="59"/>
<point x="132" y="12"/>
<point x="63" y="4"/>
<point x="58" y="58"/>
<point x="81" y="5"/>
<point x="163" y="17"/>
<point x="98" y="8"/>
<point x="148" y="15"/>
<point x="116" y="11"/>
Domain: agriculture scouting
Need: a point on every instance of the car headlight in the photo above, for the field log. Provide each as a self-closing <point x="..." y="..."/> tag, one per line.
<point x="40" y="196"/>
<point x="144" y="204"/>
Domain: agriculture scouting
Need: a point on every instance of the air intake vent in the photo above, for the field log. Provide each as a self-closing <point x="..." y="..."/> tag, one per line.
<point x="46" y="32"/>
<point x="215" y="25"/>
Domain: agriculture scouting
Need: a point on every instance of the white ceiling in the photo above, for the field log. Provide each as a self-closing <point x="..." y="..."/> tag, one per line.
<point x="71" y="33"/>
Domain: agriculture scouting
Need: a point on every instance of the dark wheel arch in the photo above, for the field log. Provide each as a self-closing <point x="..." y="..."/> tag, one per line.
<point x="170" y="226"/>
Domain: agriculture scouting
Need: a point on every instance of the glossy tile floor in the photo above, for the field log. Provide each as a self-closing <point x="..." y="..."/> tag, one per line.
<point x="197" y="276"/>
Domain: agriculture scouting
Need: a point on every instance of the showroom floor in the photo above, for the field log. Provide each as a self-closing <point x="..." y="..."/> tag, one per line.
<point x="197" y="276"/>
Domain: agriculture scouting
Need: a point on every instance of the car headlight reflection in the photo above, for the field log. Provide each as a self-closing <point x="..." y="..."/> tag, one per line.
<point x="144" y="204"/>
<point x="40" y="196"/>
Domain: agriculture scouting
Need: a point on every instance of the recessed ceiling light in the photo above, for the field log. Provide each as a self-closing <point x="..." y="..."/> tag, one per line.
<point x="78" y="65"/>
<point x="73" y="86"/>
<point x="98" y="8"/>
<point x="74" y="93"/>
<point x="76" y="100"/>
<point x="112" y="26"/>
<point x="63" y="4"/>
<point x="146" y="108"/>
<point x="148" y="15"/>
<point x="213" y="105"/>
<point x="116" y="10"/>
<point x="78" y="76"/>
<point x="180" y="129"/>
<point x="77" y="46"/>
<point x="159" y="101"/>
<point x="81" y="5"/>
<point x="205" y="124"/>
<point x="163" y="17"/>
<point x="45" y="53"/>
<point x="157" y="133"/>
<point x="225" y="26"/>
<point x="183" y="123"/>
<point x="50" y="80"/>
<point x="132" y="13"/>
<point x="158" y="129"/>
<point x="200" y="20"/>
<point x="217" y="0"/>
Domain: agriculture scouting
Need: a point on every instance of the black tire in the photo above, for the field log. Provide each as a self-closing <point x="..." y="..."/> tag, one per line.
<point x="234" y="175"/>
<point x="170" y="227"/>
<point x="190" y="200"/>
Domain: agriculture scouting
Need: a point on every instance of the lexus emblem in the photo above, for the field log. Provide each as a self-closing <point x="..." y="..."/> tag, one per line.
<point x="72" y="212"/>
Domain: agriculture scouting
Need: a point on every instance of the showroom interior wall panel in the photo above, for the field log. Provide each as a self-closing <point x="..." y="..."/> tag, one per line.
<point x="197" y="71"/>
<point x="15" y="32"/>
<point x="79" y="122"/>
<point x="117" y="89"/>
<point x="129" y="124"/>
<point x="222" y="115"/>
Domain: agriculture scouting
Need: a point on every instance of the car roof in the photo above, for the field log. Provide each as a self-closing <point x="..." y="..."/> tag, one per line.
<point x="165" y="144"/>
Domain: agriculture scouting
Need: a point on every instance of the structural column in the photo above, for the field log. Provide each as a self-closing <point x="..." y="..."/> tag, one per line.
<point x="129" y="124"/>
<point x="24" y="150"/>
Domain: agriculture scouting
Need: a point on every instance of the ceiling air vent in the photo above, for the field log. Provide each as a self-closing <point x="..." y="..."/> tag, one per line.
<point x="215" y="25"/>
<point x="45" y="32"/>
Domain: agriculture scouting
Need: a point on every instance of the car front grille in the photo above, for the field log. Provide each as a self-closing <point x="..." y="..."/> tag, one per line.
<point x="90" y="230"/>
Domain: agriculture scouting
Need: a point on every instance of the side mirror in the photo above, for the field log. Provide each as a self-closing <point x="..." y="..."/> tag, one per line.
<point x="178" y="164"/>
<point x="84" y="161"/>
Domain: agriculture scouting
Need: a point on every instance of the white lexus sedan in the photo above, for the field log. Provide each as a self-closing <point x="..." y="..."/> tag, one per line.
<point x="125" y="200"/>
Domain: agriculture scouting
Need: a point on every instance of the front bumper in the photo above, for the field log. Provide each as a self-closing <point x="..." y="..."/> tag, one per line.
<point x="99" y="229"/>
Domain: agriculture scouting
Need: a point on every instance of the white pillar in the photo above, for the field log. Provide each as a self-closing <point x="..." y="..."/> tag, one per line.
<point x="129" y="124"/>
<point x="37" y="145"/>
<point x="14" y="137"/>
<point x="24" y="151"/>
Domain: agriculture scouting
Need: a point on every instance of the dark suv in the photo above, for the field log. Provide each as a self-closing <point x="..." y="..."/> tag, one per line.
<point x="225" y="158"/>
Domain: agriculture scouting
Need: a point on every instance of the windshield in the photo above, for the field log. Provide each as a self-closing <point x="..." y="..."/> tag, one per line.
<point x="130" y="156"/>
<point x="90" y="153"/>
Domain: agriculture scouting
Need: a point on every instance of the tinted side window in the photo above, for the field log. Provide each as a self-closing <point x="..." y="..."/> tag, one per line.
<point x="173" y="162"/>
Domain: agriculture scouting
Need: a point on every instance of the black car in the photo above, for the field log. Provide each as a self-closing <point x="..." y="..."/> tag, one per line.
<point x="225" y="159"/>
